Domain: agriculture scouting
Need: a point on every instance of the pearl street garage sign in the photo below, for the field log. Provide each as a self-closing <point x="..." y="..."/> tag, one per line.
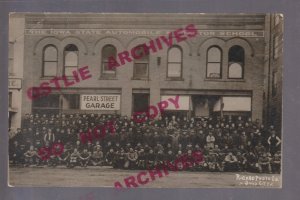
<point x="99" y="102"/>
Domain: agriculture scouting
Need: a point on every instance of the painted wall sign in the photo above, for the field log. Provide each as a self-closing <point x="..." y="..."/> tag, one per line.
<point x="203" y="33"/>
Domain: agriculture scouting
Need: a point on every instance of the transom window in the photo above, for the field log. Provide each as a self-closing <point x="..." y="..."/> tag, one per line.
<point x="214" y="62"/>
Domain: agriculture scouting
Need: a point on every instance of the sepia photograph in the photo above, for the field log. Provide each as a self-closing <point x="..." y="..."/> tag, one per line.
<point x="145" y="100"/>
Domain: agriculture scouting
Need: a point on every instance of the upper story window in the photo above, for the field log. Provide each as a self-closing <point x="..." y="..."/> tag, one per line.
<point x="214" y="62"/>
<point x="277" y="46"/>
<point x="274" y="83"/>
<point x="10" y="58"/>
<point x="174" y="62"/>
<point x="141" y="65"/>
<point x="10" y="99"/>
<point x="278" y="18"/>
<point x="50" y="61"/>
<point x="70" y="59"/>
<point x="236" y="61"/>
<point x="107" y="52"/>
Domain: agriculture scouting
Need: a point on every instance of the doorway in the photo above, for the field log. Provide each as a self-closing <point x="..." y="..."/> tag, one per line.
<point x="140" y="102"/>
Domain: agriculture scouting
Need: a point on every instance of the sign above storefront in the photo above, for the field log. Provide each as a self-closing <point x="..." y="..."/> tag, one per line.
<point x="100" y="102"/>
<point x="14" y="83"/>
<point x="144" y="32"/>
<point x="241" y="104"/>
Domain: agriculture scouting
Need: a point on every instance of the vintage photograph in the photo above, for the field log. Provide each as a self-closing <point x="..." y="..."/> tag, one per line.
<point x="151" y="100"/>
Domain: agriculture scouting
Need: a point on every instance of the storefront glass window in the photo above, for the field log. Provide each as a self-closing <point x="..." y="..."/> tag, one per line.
<point x="72" y="101"/>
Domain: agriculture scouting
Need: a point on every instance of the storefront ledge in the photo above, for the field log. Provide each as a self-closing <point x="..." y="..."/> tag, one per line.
<point x="225" y="80"/>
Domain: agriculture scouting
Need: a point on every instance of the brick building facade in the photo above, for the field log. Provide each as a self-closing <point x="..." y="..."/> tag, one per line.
<point x="221" y="71"/>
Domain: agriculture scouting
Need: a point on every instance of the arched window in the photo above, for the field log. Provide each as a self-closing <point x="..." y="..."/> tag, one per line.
<point x="236" y="60"/>
<point x="214" y="62"/>
<point x="107" y="52"/>
<point x="50" y="61"/>
<point x="70" y="59"/>
<point x="140" y="66"/>
<point x="174" y="62"/>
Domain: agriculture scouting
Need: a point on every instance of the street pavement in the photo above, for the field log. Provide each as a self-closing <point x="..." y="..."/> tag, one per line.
<point x="107" y="176"/>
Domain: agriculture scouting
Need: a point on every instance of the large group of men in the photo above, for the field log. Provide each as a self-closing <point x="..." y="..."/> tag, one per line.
<point x="227" y="143"/>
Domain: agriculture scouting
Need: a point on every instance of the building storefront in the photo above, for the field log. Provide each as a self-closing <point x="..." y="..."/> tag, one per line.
<point x="184" y="106"/>
<point x="14" y="104"/>
<point x="79" y="101"/>
<point x="215" y="106"/>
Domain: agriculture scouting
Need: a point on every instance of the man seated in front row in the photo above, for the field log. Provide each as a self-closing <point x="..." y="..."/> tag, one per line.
<point x="231" y="162"/>
<point x="264" y="164"/>
<point x="74" y="158"/>
<point x="132" y="157"/>
<point x="85" y="157"/>
<point x="97" y="156"/>
<point x="30" y="156"/>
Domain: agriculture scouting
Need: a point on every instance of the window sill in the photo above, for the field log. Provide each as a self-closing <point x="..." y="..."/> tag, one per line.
<point x="174" y="79"/>
<point x="47" y="77"/>
<point x="12" y="74"/>
<point x="51" y="77"/>
<point x="108" y="78"/>
<point x="225" y="80"/>
<point x="140" y="79"/>
<point x="236" y="79"/>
